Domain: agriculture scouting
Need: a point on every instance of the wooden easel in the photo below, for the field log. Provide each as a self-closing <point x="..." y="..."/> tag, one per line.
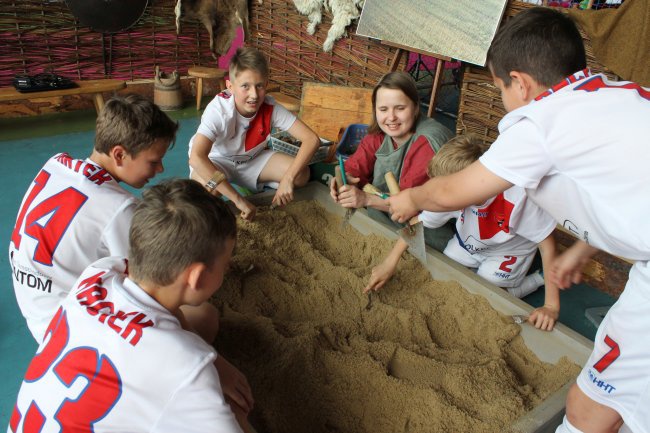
<point x="437" y="75"/>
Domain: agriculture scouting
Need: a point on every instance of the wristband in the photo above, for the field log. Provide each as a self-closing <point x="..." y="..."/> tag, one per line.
<point x="215" y="180"/>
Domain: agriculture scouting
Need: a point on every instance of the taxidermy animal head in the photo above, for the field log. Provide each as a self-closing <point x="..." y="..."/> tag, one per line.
<point x="220" y="17"/>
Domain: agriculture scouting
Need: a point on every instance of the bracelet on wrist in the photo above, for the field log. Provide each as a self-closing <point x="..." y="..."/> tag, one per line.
<point x="215" y="180"/>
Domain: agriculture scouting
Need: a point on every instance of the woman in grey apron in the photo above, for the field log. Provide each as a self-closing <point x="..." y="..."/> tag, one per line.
<point x="399" y="140"/>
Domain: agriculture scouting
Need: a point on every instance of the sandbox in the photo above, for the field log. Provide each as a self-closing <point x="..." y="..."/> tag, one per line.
<point x="439" y="355"/>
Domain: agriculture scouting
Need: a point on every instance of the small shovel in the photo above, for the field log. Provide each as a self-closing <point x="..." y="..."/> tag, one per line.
<point x="412" y="232"/>
<point x="341" y="179"/>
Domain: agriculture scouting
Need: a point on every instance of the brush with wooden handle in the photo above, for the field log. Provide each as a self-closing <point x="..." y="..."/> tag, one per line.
<point x="372" y="189"/>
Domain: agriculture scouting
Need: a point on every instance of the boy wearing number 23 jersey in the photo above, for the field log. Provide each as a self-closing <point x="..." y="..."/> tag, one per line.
<point x="76" y="212"/>
<point x="116" y="356"/>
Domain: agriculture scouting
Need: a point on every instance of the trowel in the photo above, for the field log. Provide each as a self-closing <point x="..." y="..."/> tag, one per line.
<point x="341" y="179"/>
<point x="413" y="232"/>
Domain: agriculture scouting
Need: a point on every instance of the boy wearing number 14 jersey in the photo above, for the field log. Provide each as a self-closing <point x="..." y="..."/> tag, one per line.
<point x="76" y="212"/>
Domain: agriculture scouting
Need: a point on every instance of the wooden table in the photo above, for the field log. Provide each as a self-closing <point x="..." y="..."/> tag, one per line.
<point x="87" y="87"/>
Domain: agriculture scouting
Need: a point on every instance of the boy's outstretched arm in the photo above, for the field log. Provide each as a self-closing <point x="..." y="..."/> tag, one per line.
<point x="544" y="317"/>
<point x="298" y="173"/>
<point x="203" y="169"/>
<point x="567" y="268"/>
<point x="234" y="384"/>
<point x="473" y="185"/>
<point x="386" y="269"/>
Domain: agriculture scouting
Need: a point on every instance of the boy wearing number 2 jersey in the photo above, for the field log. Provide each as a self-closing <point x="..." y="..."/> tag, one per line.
<point x="76" y="212"/>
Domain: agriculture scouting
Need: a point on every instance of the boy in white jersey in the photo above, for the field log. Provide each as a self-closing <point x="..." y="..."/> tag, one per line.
<point x="591" y="176"/>
<point x="497" y="238"/>
<point x="230" y="143"/>
<point x="76" y="211"/>
<point x="117" y="356"/>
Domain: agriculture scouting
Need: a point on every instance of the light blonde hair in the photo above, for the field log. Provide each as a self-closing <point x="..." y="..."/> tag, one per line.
<point x="456" y="154"/>
<point x="248" y="59"/>
<point x="177" y="223"/>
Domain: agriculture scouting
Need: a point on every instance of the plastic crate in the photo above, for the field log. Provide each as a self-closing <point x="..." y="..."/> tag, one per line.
<point x="283" y="142"/>
<point x="350" y="139"/>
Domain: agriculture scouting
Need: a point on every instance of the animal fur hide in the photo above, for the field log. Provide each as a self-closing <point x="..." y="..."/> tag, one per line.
<point x="343" y="12"/>
<point x="220" y="18"/>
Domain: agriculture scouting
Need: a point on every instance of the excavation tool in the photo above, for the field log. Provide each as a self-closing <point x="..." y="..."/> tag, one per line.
<point x="370" y="296"/>
<point x="372" y="189"/>
<point x="520" y="319"/>
<point x="342" y="179"/>
<point x="413" y="231"/>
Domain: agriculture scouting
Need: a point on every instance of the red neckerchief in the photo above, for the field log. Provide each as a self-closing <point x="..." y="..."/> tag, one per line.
<point x="568" y="80"/>
<point x="260" y="127"/>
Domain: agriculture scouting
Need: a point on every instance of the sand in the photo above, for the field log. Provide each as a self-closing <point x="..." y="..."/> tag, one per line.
<point x="427" y="357"/>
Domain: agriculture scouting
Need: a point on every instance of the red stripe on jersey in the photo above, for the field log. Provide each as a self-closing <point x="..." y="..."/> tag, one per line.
<point x="597" y="83"/>
<point x="260" y="127"/>
<point x="568" y="80"/>
<point x="495" y="217"/>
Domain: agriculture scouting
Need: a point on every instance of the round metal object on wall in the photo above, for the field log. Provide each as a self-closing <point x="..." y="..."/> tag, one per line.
<point x="107" y="16"/>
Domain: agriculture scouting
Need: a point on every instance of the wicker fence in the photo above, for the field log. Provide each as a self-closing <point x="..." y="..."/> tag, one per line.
<point x="296" y="56"/>
<point x="43" y="36"/>
<point x="480" y="107"/>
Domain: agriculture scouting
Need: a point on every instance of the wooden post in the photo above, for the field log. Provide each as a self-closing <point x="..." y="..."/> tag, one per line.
<point x="437" y="77"/>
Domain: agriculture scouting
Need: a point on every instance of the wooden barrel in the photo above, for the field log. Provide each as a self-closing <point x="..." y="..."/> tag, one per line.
<point x="167" y="91"/>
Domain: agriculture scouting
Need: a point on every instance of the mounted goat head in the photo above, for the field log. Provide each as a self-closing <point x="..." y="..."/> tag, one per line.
<point x="220" y="17"/>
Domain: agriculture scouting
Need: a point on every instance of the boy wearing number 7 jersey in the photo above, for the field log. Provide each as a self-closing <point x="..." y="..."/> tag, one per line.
<point x="76" y="212"/>
<point x="592" y="177"/>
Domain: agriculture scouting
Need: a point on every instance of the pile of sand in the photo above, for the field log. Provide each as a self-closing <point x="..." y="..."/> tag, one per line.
<point x="427" y="357"/>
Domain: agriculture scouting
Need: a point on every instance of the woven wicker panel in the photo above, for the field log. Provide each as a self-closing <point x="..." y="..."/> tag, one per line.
<point x="43" y="36"/>
<point x="480" y="107"/>
<point x="296" y="56"/>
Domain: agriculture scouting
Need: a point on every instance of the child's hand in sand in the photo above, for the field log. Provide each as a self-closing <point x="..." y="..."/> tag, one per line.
<point x="380" y="275"/>
<point x="234" y="384"/>
<point x="248" y="209"/>
<point x="544" y="318"/>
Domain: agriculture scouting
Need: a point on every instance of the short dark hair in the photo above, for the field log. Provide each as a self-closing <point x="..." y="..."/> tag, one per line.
<point x="397" y="80"/>
<point x="133" y="122"/>
<point x="177" y="223"/>
<point x="539" y="41"/>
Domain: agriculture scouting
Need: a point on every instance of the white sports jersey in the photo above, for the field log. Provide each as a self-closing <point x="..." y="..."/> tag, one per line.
<point x="507" y="224"/>
<point x="73" y="214"/>
<point x="222" y="124"/>
<point x="114" y="360"/>
<point x="583" y="153"/>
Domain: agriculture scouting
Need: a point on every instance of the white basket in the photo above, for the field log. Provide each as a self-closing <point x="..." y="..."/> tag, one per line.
<point x="277" y="142"/>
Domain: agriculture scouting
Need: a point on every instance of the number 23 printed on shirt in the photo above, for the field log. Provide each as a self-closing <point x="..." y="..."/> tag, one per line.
<point x="61" y="208"/>
<point x="101" y="392"/>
